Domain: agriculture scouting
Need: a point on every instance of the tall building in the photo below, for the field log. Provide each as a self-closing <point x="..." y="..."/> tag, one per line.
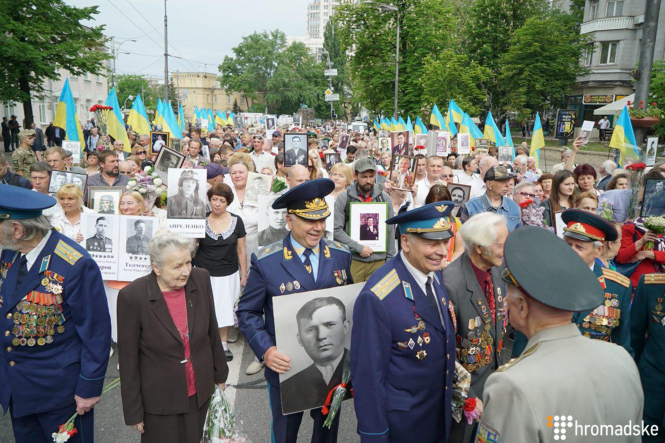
<point x="318" y="14"/>
<point x="615" y="27"/>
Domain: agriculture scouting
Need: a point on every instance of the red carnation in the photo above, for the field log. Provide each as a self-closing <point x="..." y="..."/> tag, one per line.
<point x="641" y="102"/>
<point x="470" y="404"/>
<point x="636" y="166"/>
<point x="526" y="203"/>
<point x="653" y="104"/>
<point x="629" y="102"/>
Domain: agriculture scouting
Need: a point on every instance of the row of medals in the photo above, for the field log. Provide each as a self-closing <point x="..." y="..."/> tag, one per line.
<point x="601" y="323"/>
<point x="36" y="324"/>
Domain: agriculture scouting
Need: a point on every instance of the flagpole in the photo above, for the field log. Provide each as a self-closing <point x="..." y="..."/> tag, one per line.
<point x="166" y="55"/>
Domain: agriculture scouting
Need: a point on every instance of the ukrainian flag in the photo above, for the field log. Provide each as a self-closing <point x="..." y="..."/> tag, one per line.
<point x="455" y="115"/>
<point x="181" y="118"/>
<point x="384" y="124"/>
<point x="469" y="127"/>
<point x="492" y="132"/>
<point x="537" y="140"/>
<point x="138" y="117"/>
<point x="401" y="126"/>
<point x="66" y="116"/>
<point x="170" y="121"/>
<point x="115" y="125"/>
<point x="436" y="118"/>
<point x="509" y="138"/>
<point x="376" y="124"/>
<point x="623" y="138"/>
<point x="158" y="112"/>
<point x="211" y="120"/>
<point x="394" y="125"/>
<point x="419" y="127"/>
<point x="220" y="118"/>
<point x="195" y="115"/>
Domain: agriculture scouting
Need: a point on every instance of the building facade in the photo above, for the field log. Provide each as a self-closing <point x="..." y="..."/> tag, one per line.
<point x="615" y="27"/>
<point x="318" y="14"/>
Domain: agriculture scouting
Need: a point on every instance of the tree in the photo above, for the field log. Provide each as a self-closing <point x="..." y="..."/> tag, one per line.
<point x="253" y="64"/>
<point x="236" y="107"/>
<point x="37" y="38"/>
<point x="133" y="85"/>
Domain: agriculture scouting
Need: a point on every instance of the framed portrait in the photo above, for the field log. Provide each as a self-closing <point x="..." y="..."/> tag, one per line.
<point x="558" y="224"/>
<point x="176" y="144"/>
<point x="324" y="144"/>
<point x="296" y="316"/>
<point x="135" y="234"/>
<point x="270" y="123"/>
<point x="332" y="160"/>
<point x="653" y="204"/>
<point x="74" y="148"/>
<point x="104" y="199"/>
<point x="420" y="140"/>
<point x="238" y="122"/>
<point x="272" y="225"/>
<point x="384" y="144"/>
<point x="295" y="149"/>
<point x="459" y="193"/>
<point x="367" y="224"/>
<point x="343" y="141"/>
<point x="442" y="143"/>
<point x="101" y="234"/>
<point x="585" y="131"/>
<point x="651" y="152"/>
<point x="399" y="142"/>
<point x="60" y="178"/>
<point x="506" y="154"/>
<point x="483" y="143"/>
<point x="403" y="172"/>
<point x="257" y="184"/>
<point x="463" y="143"/>
<point x="168" y="159"/>
<point x="481" y="151"/>
<point x="158" y="140"/>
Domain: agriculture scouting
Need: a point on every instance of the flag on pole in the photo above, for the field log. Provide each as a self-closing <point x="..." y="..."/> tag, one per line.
<point x="436" y="118"/>
<point x="623" y="138"/>
<point x="67" y="118"/>
<point x="138" y="117"/>
<point x="195" y="115"/>
<point x="455" y="115"/>
<point x="115" y="125"/>
<point x="409" y="126"/>
<point x="170" y="121"/>
<point x="394" y="125"/>
<point x="419" y="127"/>
<point x="492" y="131"/>
<point x="220" y="118"/>
<point x="181" y="118"/>
<point x="509" y="138"/>
<point x="537" y="140"/>
<point x="401" y="124"/>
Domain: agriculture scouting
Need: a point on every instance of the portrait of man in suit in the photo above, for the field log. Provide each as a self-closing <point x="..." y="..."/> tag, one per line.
<point x="370" y="230"/>
<point x="401" y="147"/>
<point x="295" y="149"/>
<point x="322" y="331"/>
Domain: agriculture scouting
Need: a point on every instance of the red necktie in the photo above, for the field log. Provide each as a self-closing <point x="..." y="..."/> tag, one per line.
<point x="489" y="295"/>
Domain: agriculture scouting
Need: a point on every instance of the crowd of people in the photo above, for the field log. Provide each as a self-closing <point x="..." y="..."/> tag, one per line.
<point x="472" y="249"/>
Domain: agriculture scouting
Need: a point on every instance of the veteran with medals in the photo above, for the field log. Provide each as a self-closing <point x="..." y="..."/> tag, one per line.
<point x="559" y="376"/>
<point x="56" y="329"/>
<point x="403" y="337"/>
<point x="302" y="261"/>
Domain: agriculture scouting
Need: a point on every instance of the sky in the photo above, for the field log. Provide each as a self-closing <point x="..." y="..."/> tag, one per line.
<point x="201" y="31"/>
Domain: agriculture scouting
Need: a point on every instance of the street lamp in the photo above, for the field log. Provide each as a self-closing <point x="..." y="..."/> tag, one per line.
<point x="129" y="97"/>
<point x="389" y="7"/>
<point x="115" y="57"/>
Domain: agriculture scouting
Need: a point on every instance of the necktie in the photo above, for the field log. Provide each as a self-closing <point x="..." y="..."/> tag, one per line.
<point x="489" y="295"/>
<point x="430" y="293"/>
<point x="22" y="270"/>
<point x="307" y="262"/>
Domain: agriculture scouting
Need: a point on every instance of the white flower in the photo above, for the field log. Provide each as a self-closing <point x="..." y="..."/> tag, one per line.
<point x="154" y="176"/>
<point x="157" y="182"/>
<point x="131" y="184"/>
<point x="147" y="170"/>
<point x="128" y="187"/>
<point x="143" y="190"/>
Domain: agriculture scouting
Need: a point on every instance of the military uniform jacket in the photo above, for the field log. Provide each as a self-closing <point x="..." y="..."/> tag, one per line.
<point x="402" y="358"/>
<point x="22" y="159"/>
<point x="99" y="244"/>
<point x="56" y="329"/>
<point x="647" y="318"/>
<point x="479" y="339"/>
<point x="182" y="207"/>
<point x="277" y="270"/>
<point x="559" y="374"/>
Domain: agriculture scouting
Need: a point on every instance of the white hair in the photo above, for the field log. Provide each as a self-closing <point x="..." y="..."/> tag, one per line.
<point x="609" y="166"/>
<point x="522" y="185"/>
<point x="521" y="159"/>
<point x="36" y="227"/>
<point x="532" y="158"/>
<point x="480" y="229"/>
<point x="161" y="243"/>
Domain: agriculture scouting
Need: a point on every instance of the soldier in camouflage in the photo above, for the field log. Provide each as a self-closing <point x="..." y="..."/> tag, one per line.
<point x="24" y="156"/>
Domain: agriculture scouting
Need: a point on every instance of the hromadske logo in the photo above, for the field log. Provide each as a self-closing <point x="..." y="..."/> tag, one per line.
<point x="560" y="423"/>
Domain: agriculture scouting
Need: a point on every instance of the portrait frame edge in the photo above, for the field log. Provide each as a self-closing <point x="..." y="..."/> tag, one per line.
<point x="381" y="223"/>
<point x="167" y="141"/>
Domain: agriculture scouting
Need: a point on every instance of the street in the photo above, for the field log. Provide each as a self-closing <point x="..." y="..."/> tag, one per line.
<point x="248" y="393"/>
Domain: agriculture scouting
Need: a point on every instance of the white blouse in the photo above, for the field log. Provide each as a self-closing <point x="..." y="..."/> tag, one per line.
<point x="62" y="224"/>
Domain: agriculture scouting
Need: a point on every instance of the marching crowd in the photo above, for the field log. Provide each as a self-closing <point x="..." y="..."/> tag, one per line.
<point x="466" y="282"/>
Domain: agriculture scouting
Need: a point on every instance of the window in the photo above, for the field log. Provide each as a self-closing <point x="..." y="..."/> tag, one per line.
<point x="228" y="99"/>
<point x="588" y="56"/>
<point x="614" y="8"/>
<point x="608" y="53"/>
<point x="208" y="98"/>
<point x="99" y="78"/>
<point x="87" y="76"/>
<point x="243" y="101"/>
<point x="593" y="10"/>
<point x="42" y="113"/>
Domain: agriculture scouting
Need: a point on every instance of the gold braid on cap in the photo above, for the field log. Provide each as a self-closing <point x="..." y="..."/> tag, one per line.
<point x="578" y="228"/>
<point x="441" y="225"/>
<point x="316" y="205"/>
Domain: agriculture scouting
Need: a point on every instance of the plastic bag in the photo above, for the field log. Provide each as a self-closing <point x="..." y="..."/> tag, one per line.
<point x="221" y="425"/>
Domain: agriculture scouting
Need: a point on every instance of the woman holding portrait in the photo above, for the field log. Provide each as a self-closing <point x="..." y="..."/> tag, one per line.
<point x="170" y="354"/>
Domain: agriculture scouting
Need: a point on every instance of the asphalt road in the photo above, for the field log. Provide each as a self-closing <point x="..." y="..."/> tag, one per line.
<point x="249" y="395"/>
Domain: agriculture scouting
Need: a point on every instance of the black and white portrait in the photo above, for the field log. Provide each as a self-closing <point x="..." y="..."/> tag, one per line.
<point x="257" y="184"/>
<point x="332" y="160"/>
<point x="97" y="239"/>
<point x="652" y="151"/>
<point x="104" y="199"/>
<point x="270" y="123"/>
<point x="343" y="141"/>
<point x="324" y="144"/>
<point x="60" y="178"/>
<point x="400" y="142"/>
<point x="459" y="193"/>
<point x="314" y="330"/>
<point x="74" y="148"/>
<point x="295" y="149"/>
<point x="102" y="237"/>
<point x="272" y="222"/>
<point x="238" y="122"/>
<point x="654" y="198"/>
<point x="158" y="140"/>
<point x="186" y="193"/>
<point x="140" y="232"/>
<point x="369" y="229"/>
<point x="463" y="143"/>
<point x="505" y="154"/>
<point x="167" y="159"/>
<point x="135" y="235"/>
<point x="176" y="144"/>
<point x="107" y="204"/>
<point x="384" y="144"/>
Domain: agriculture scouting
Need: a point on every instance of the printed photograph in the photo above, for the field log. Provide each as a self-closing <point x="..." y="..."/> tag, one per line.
<point x="343" y="142"/>
<point x="653" y="204"/>
<point x="168" y="159"/>
<point x="270" y="123"/>
<point x="463" y="143"/>
<point x="98" y="235"/>
<point x="332" y="160"/>
<point x="371" y="233"/>
<point x="186" y="193"/>
<point x="384" y="144"/>
<point x="400" y="142"/>
<point x="139" y="233"/>
<point x="369" y="229"/>
<point x="158" y="140"/>
<point x="295" y="149"/>
<point x="60" y="178"/>
<point x="506" y="154"/>
<point x="459" y="193"/>
<point x="420" y="140"/>
<point x="257" y="184"/>
<point x="104" y="200"/>
<point x="176" y="144"/>
<point x="442" y="143"/>
<point x="272" y="222"/>
<point x="74" y="148"/>
<point x="403" y="172"/>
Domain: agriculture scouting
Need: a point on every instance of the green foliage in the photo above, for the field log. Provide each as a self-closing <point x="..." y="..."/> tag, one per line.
<point x="134" y="85"/>
<point x="236" y="107"/>
<point x="37" y="38"/>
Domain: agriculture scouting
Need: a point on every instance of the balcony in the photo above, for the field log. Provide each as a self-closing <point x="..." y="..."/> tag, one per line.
<point x="610" y="24"/>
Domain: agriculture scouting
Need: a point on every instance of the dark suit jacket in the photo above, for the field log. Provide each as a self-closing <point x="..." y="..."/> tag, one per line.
<point x="308" y="390"/>
<point x="365" y="233"/>
<point x="150" y="349"/>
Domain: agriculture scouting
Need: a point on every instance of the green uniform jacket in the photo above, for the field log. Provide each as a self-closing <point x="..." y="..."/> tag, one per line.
<point x="22" y="159"/>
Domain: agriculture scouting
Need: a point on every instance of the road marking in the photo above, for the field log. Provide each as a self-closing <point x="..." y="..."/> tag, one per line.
<point x="234" y="368"/>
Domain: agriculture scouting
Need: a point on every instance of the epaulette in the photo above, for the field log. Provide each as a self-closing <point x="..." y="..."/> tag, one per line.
<point x="386" y="285"/>
<point x="269" y="250"/>
<point x="514" y="361"/>
<point x="337" y="245"/>
<point x="654" y="279"/>
<point x="67" y="253"/>
<point x="616" y="277"/>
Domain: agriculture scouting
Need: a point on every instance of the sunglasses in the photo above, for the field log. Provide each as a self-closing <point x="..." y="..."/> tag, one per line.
<point x="141" y="152"/>
<point x="526" y="194"/>
<point x="448" y="176"/>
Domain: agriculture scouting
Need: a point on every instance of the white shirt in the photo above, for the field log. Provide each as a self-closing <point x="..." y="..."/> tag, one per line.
<point x="31" y="256"/>
<point x="423" y="189"/>
<point x="418" y="276"/>
<point x="262" y="160"/>
<point x="476" y="183"/>
<point x="604" y="124"/>
<point x="328" y="371"/>
<point x="62" y="224"/>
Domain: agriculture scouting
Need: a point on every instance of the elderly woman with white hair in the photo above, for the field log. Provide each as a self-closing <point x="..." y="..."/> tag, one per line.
<point x="170" y="353"/>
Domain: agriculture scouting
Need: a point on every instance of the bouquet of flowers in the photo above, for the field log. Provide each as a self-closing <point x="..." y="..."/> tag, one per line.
<point x="101" y="116"/>
<point x="221" y="425"/>
<point x="148" y="184"/>
<point x="461" y="401"/>
<point x="656" y="225"/>
<point x="338" y="393"/>
<point x="636" y="171"/>
<point x="531" y="214"/>
<point x="278" y="184"/>
<point x="607" y="210"/>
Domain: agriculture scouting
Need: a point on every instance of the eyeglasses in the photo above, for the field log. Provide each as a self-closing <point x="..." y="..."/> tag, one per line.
<point x="448" y="176"/>
<point x="526" y="194"/>
<point x="141" y="152"/>
<point x="310" y="168"/>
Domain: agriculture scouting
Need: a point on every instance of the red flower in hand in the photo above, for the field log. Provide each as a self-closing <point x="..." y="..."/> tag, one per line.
<point x="526" y="203"/>
<point x="470" y="405"/>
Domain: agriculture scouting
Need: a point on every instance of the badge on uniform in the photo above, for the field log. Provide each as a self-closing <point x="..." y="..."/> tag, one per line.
<point x="282" y="288"/>
<point x="420" y="355"/>
<point x="487" y="434"/>
<point x="340" y="277"/>
<point x="453" y="317"/>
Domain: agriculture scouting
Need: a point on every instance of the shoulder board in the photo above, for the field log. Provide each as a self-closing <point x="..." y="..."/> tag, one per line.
<point x="269" y="250"/>
<point x="386" y="285"/>
<point x="654" y="279"/>
<point x="67" y="253"/>
<point x="337" y="245"/>
<point x="514" y="361"/>
<point x="616" y="277"/>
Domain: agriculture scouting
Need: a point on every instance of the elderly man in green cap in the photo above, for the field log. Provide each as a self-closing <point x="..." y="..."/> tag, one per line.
<point x="564" y="385"/>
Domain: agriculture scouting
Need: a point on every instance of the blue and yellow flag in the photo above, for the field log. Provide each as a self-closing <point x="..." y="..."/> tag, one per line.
<point x="469" y="127"/>
<point x="195" y="115"/>
<point x="394" y="124"/>
<point x="115" y="125"/>
<point x="509" y="138"/>
<point x="181" y="118"/>
<point x="537" y="140"/>
<point x="492" y="132"/>
<point x="623" y="138"/>
<point x="401" y="124"/>
<point x="138" y="117"/>
<point x="455" y="115"/>
<point x="436" y="118"/>
<point x="220" y="118"/>
<point x="169" y="121"/>
<point x="419" y="127"/>
<point x="67" y="118"/>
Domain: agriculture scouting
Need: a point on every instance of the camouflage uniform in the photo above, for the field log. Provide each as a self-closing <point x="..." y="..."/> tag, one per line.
<point x="22" y="159"/>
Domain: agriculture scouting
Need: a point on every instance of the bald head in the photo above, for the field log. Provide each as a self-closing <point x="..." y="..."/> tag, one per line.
<point x="297" y="174"/>
<point x="486" y="163"/>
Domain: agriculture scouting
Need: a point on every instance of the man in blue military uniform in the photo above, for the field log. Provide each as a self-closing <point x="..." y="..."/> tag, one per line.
<point x="54" y="322"/>
<point x="586" y="233"/>
<point x="403" y="337"/>
<point x="647" y="332"/>
<point x="302" y="261"/>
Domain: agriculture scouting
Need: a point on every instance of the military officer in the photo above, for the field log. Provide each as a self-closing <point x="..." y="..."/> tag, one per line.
<point x="100" y="242"/>
<point x="302" y="261"/>
<point x="138" y="243"/>
<point x="647" y="332"/>
<point x="586" y="233"/>
<point x="24" y="156"/>
<point x="475" y="288"/>
<point x="54" y="322"/>
<point x="558" y="386"/>
<point x="403" y="337"/>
